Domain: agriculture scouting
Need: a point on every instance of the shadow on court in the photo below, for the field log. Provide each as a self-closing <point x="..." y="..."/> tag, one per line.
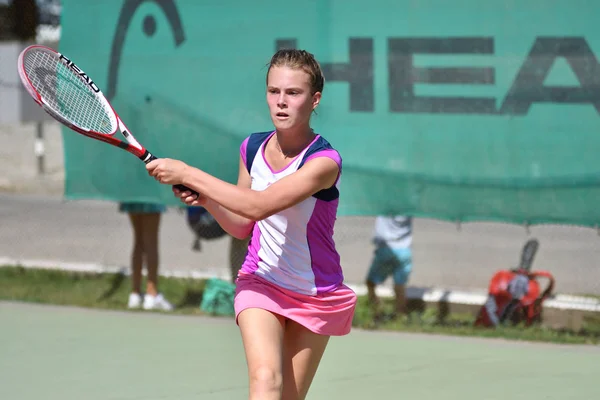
<point x="73" y="353"/>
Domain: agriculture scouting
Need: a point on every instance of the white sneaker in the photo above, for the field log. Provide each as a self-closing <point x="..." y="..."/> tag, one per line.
<point x="157" y="302"/>
<point x="135" y="301"/>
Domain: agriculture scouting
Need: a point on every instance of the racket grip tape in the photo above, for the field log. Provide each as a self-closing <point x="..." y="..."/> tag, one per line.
<point x="147" y="157"/>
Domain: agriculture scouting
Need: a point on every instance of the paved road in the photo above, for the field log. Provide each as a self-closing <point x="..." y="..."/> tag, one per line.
<point x="49" y="228"/>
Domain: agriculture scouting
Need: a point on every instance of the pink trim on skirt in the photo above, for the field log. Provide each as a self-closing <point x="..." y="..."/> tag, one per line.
<point x="325" y="314"/>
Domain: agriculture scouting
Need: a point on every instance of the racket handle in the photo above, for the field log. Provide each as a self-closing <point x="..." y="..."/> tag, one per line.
<point x="147" y="157"/>
<point x="183" y="188"/>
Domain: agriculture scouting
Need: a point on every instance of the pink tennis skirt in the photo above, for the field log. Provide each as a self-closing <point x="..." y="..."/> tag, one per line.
<point x="325" y="314"/>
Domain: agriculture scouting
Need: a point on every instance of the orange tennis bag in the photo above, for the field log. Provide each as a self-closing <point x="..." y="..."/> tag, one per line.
<point x="515" y="296"/>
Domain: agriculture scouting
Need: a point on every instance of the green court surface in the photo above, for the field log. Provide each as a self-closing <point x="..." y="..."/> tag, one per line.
<point x="78" y="354"/>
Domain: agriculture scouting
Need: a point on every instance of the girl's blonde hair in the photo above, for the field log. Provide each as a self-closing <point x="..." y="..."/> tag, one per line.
<point x="300" y="59"/>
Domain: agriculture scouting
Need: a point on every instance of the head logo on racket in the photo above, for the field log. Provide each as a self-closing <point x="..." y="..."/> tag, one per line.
<point x="78" y="70"/>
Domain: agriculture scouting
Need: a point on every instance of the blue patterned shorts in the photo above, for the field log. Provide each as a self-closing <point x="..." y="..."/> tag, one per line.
<point x="142" y="208"/>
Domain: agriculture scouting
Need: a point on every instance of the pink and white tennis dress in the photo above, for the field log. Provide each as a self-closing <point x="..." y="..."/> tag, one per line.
<point x="292" y="267"/>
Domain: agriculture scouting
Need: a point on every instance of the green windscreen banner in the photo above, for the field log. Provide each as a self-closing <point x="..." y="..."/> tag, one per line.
<point x="459" y="110"/>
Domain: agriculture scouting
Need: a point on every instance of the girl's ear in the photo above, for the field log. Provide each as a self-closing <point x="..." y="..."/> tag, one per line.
<point x="316" y="99"/>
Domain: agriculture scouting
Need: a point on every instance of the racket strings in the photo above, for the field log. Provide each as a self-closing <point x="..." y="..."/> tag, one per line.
<point x="68" y="93"/>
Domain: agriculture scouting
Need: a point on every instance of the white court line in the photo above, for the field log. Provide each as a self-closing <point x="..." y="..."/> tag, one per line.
<point x="563" y="302"/>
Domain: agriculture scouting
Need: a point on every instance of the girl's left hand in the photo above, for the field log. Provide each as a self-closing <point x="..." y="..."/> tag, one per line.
<point x="167" y="171"/>
<point x="190" y="199"/>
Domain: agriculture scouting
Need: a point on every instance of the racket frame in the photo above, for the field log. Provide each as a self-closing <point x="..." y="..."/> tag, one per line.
<point x="131" y="144"/>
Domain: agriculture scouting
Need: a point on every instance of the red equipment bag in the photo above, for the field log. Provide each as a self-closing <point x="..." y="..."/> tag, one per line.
<point x="514" y="296"/>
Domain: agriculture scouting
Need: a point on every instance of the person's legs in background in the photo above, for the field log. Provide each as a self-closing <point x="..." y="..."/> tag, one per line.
<point x="379" y="270"/>
<point x="150" y="234"/>
<point x="137" y="260"/>
<point x="386" y="262"/>
<point x="400" y="296"/>
<point x="402" y="269"/>
<point x="153" y="298"/>
<point x="145" y="222"/>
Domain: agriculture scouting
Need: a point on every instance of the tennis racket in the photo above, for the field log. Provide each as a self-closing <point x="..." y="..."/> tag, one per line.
<point x="71" y="97"/>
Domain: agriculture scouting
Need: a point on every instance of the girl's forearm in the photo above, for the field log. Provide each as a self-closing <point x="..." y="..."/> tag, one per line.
<point x="235" y="225"/>
<point x="236" y="208"/>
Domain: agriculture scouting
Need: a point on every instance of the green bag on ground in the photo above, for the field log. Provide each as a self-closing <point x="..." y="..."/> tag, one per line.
<point x="218" y="297"/>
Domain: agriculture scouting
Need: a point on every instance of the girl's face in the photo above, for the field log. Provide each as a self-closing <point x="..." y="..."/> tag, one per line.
<point x="290" y="97"/>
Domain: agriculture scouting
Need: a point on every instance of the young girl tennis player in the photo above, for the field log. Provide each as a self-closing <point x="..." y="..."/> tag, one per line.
<point x="290" y="294"/>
